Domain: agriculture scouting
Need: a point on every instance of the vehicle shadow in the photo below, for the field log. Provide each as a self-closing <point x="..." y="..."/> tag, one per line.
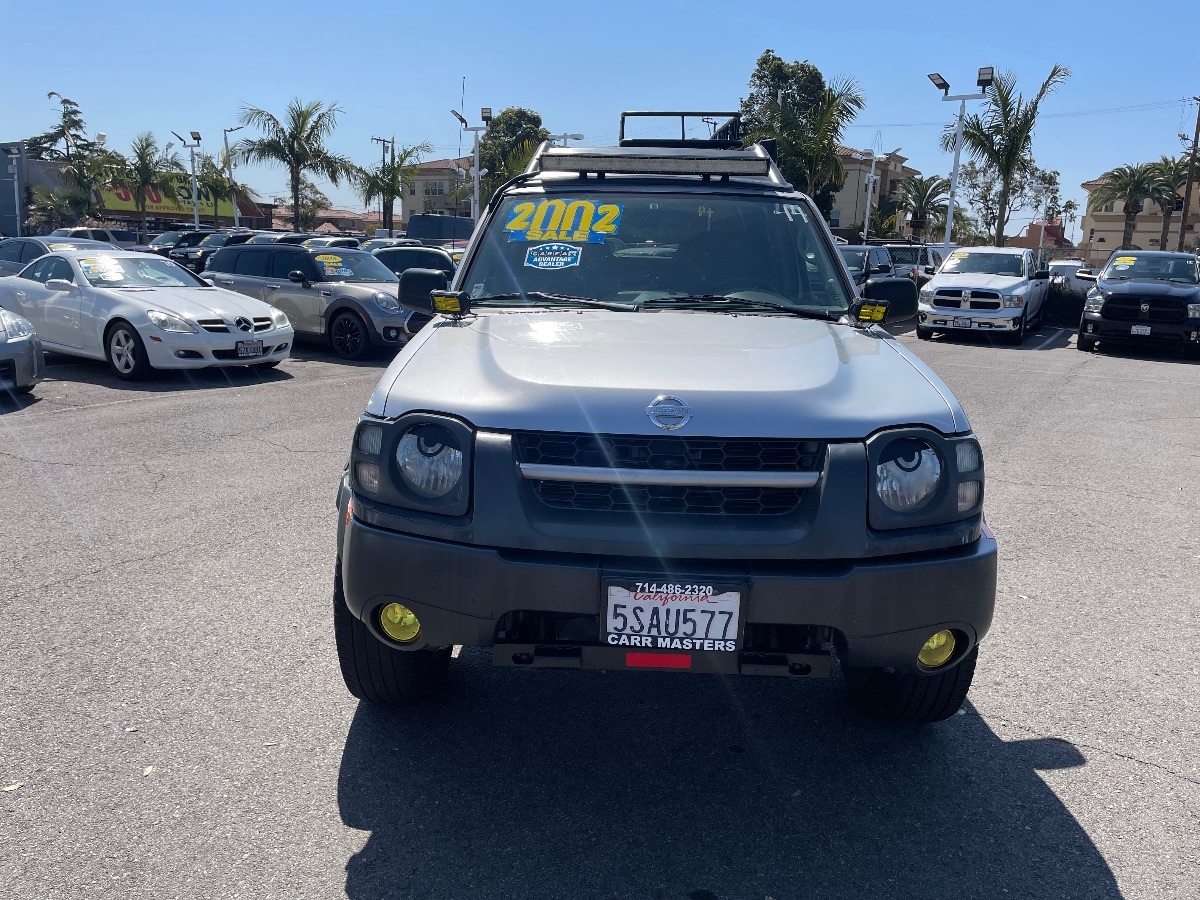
<point x="1156" y="352"/>
<point x="11" y="401"/>
<point x="544" y="784"/>
<point x="1047" y="337"/>
<point x="315" y="349"/>
<point x="76" y="369"/>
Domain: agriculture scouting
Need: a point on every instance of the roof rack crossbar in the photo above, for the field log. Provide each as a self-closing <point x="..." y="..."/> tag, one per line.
<point x="728" y="135"/>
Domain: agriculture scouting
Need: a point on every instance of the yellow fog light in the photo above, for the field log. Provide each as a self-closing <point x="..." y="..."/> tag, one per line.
<point x="399" y="623"/>
<point x="937" y="650"/>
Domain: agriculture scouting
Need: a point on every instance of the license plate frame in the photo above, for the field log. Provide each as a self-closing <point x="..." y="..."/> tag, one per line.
<point x="962" y="322"/>
<point x="1142" y="330"/>
<point x="249" y="349"/>
<point x="672" y="620"/>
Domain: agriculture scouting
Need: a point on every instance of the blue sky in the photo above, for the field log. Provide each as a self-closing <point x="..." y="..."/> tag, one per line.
<point x="398" y="69"/>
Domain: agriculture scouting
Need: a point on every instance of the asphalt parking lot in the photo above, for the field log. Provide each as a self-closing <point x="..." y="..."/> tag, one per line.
<point x="171" y="710"/>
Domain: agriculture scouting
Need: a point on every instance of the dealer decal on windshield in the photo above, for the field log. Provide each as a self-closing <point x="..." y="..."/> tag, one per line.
<point x="580" y="221"/>
<point x="552" y="256"/>
<point x="332" y="264"/>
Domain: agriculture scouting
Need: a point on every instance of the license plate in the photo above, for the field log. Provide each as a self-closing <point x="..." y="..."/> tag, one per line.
<point x="673" y="616"/>
<point x="1140" y="329"/>
<point x="249" y="348"/>
<point x="962" y="322"/>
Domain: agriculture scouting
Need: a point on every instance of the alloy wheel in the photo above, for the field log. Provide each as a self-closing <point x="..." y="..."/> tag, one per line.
<point x="122" y="351"/>
<point x="348" y="336"/>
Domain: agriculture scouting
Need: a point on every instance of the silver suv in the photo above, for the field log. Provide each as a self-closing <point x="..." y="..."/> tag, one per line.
<point x="344" y="295"/>
<point x="655" y="426"/>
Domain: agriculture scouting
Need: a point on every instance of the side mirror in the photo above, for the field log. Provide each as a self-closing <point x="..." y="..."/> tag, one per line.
<point x="297" y="277"/>
<point x="1041" y="274"/>
<point x="930" y="270"/>
<point x="1086" y="275"/>
<point x="417" y="287"/>
<point x="880" y="269"/>
<point x="897" y="295"/>
<point x="60" y="284"/>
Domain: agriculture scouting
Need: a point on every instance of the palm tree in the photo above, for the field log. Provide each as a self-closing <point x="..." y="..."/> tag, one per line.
<point x="297" y="142"/>
<point x="513" y="164"/>
<point x="1171" y="177"/>
<point x="148" y="169"/>
<point x="1130" y="185"/>
<point x="1002" y="138"/>
<point x="90" y="175"/>
<point x="388" y="179"/>
<point x="923" y="198"/>
<point x="819" y="136"/>
<point x="55" y="209"/>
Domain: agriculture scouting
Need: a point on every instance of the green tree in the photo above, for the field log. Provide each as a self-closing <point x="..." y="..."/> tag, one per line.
<point x="312" y="201"/>
<point x="801" y="84"/>
<point x="49" y="210"/>
<point x="70" y="131"/>
<point x="89" y="174"/>
<point x="147" y="168"/>
<point x="923" y="197"/>
<point x="386" y="181"/>
<point x="508" y="168"/>
<point x="297" y="142"/>
<point x="1170" y="179"/>
<point x="509" y="129"/>
<point x="1001" y="139"/>
<point x="1130" y="186"/>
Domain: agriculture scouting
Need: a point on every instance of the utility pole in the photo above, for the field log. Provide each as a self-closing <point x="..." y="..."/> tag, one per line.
<point x="195" y="190"/>
<point x="237" y="222"/>
<point x="383" y="148"/>
<point x="1191" y="180"/>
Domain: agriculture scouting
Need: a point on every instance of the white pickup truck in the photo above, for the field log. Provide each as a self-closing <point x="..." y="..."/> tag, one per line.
<point x="993" y="289"/>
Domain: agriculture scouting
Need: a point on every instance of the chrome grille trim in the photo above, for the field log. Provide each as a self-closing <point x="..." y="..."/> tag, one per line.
<point x="675" y="478"/>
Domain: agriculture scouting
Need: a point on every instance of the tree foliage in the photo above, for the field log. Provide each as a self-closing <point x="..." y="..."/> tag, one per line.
<point x="148" y="168"/>
<point x="312" y="201"/>
<point x="1129" y="186"/>
<point x="1000" y="139"/>
<point x="1170" y="177"/>
<point x="508" y="130"/>
<point x="297" y="142"/>
<point x="386" y="181"/>
<point x="807" y="126"/>
<point x="70" y="131"/>
<point x="1031" y="188"/>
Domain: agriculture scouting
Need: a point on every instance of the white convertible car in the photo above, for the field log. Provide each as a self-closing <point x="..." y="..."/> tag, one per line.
<point x="142" y="312"/>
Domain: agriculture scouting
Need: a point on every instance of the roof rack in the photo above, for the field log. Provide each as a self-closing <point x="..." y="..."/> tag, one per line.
<point x="727" y="136"/>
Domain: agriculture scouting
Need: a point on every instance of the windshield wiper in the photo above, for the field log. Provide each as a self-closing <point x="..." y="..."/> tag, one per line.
<point x="557" y="298"/>
<point x="726" y="304"/>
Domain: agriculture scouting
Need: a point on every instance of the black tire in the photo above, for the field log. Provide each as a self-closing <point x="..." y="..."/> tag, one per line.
<point x="125" y="352"/>
<point x="377" y="673"/>
<point x="924" y="334"/>
<point x="911" y="699"/>
<point x="1086" y="344"/>
<point x="349" y="336"/>
<point x="1018" y="337"/>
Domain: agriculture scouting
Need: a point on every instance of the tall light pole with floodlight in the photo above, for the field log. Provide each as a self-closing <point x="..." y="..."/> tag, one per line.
<point x="987" y="75"/>
<point x="237" y="223"/>
<point x="195" y="191"/>
<point x="486" y="115"/>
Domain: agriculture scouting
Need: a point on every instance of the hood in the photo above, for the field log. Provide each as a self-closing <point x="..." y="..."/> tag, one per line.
<point x="976" y="281"/>
<point x="1186" y="293"/>
<point x="196" y="303"/>
<point x="596" y="371"/>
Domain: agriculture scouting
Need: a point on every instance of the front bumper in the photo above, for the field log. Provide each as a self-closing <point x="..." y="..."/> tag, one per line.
<point x="876" y="612"/>
<point x="1094" y="325"/>
<point x="943" y="318"/>
<point x="167" y="350"/>
<point x="21" y="363"/>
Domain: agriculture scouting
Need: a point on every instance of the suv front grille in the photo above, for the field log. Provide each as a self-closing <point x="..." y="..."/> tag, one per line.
<point x="667" y="454"/>
<point x="1129" y="309"/>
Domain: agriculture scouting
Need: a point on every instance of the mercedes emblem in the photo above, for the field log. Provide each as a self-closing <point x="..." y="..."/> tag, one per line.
<point x="243" y="324"/>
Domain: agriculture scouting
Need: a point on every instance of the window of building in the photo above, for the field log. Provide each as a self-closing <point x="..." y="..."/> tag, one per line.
<point x="835" y="218"/>
<point x="435" y="188"/>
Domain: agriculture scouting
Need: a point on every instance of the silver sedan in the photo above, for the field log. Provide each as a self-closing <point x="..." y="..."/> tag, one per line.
<point x="21" y="362"/>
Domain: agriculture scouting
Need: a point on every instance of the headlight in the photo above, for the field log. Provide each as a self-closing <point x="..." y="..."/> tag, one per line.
<point x="908" y="475"/>
<point x="279" y="318"/>
<point x="14" y="328"/>
<point x="386" y="302"/>
<point x="195" y="254"/>
<point x="1015" y="300"/>
<point x="168" y="322"/>
<point x="1094" y="302"/>
<point x="1194" y="310"/>
<point x="430" y="461"/>
<point x="926" y="294"/>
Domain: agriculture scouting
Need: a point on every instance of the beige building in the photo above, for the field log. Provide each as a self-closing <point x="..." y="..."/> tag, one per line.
<point x="850" y="203"/>
<point x="432" y="188"/>
<point x="1104" y="227"/>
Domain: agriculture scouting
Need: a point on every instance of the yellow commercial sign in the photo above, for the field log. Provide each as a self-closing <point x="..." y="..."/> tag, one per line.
<point x="120" y="199"/>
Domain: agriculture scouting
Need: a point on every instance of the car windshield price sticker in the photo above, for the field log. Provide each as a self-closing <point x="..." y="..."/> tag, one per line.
<point x="673" y="616"/>
<point x="332" y="264"/>
<point x="579" y="221"/>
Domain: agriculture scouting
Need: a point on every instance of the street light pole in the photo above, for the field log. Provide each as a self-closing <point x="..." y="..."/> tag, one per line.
<point x="195" y="190"/>
<point x="237" y="222"/>
<point x="13" y="155"/>
<point x="870" y="188"/>
<point x="1191" y="180"/>
<point x="486" y="114"/>
<point x="984" y="81"/>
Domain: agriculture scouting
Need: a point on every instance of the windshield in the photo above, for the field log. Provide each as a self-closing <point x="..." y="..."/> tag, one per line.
<point x="214" y="240"/>
<point x="136" y="271"/>
<point x="856" y="260"/>
<point x="167" y="237"/>
<point x="984" y="263"/>
<point x="905" y="256"/>
<point x="376" y="244"/>
<point x="633" y="248"/>
<point x="1179" y="269"/>
<point x="353" y="265"/>
<point x="60" y="232"/>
